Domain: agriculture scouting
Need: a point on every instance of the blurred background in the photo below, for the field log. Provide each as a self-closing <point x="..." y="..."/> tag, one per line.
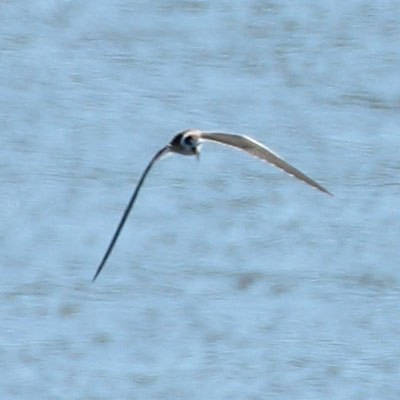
<point x="231" y="280"/>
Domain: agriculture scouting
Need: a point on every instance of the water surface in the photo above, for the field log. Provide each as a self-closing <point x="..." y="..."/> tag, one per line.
<point x="231" y="280"/>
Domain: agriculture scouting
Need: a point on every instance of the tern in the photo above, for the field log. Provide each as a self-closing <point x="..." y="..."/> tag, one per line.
<point x="188" y="143"/>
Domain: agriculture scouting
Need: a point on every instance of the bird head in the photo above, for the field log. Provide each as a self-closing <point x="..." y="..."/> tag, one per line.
<point x="186" y="143"/>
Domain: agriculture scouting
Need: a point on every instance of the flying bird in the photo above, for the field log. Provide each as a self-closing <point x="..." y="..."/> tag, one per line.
<point x="188" y="143"/>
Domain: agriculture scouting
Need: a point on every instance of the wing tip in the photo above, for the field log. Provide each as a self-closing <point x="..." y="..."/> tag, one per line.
<point x="323" y="190"/>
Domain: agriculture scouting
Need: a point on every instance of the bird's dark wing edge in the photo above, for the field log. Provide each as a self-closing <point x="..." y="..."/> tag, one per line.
<point x="128" y="208"/>
<point x="257" y="149"/>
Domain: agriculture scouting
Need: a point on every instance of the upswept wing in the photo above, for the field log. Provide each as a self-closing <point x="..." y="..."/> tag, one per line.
<point x="257" y="149"/>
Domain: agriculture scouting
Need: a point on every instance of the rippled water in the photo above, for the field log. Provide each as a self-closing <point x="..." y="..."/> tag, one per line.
<point x="231" y="280"/>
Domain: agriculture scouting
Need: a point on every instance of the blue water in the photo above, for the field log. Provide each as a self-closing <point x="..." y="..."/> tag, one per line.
<point x="231" y="280"/>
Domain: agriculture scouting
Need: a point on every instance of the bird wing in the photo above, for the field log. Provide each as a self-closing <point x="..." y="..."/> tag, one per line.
<point x="257" y="149"/>
<point x="128" y="208"/>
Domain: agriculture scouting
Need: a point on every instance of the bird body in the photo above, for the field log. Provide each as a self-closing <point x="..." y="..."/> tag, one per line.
<point x="188" y="143"/>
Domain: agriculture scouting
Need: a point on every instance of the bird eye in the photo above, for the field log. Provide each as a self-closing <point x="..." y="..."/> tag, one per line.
<point x="188" y="140"/>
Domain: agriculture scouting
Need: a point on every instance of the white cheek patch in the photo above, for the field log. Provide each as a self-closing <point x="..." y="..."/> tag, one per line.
<point x="189" y="142"/>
